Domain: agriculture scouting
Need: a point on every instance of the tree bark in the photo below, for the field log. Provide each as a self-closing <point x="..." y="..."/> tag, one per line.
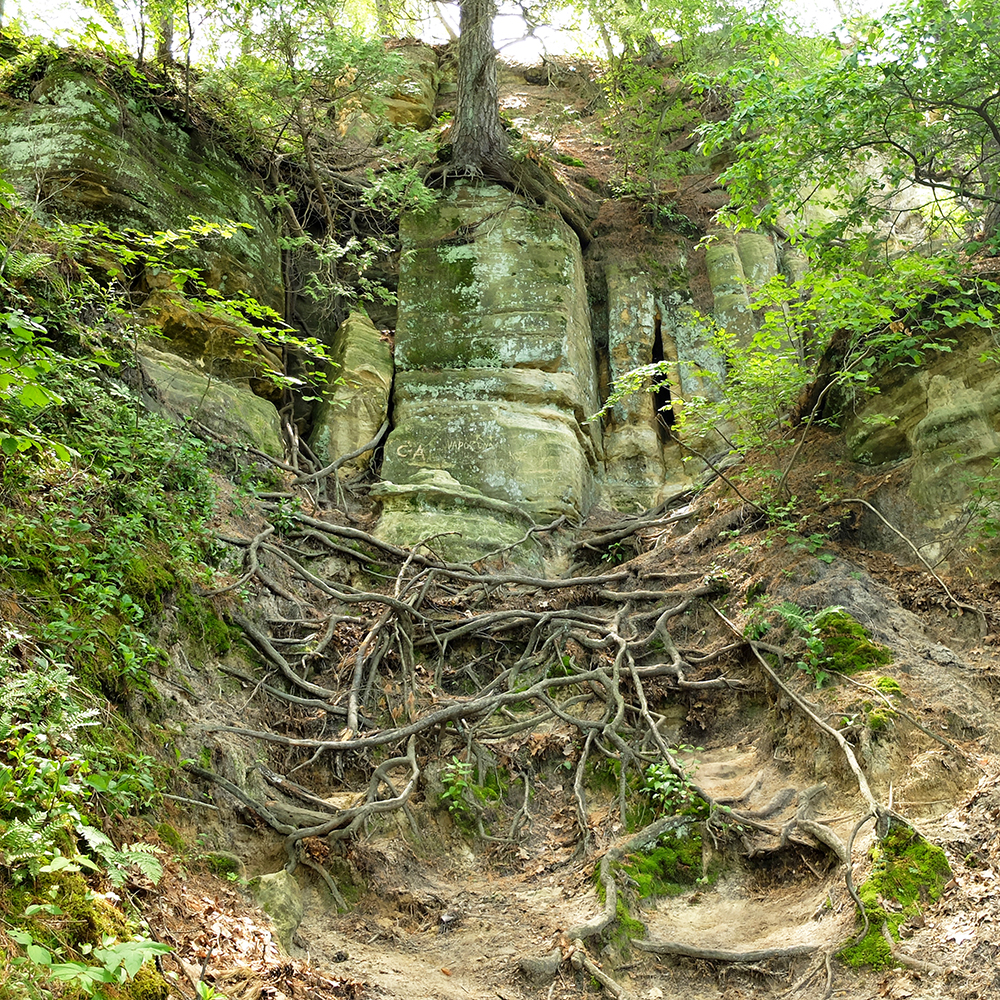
<point x="165" y="39"/>
<point x="480" y="144"/>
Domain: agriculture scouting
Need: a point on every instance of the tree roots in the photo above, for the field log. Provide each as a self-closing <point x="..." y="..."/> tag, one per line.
<point x="442" y="651"/>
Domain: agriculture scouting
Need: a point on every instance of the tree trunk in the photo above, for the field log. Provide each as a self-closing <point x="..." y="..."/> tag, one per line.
<point x="480" y="144"/>
<point x="165" y="39"/>
<point x="991" y="221"/>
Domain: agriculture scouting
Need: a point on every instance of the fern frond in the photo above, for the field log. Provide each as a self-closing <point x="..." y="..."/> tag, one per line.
<point x="96" y="839"/>
<point x="794" y="616"/>
<point x="19" y="264"/>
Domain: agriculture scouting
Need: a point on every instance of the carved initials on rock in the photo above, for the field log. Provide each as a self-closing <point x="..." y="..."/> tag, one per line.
<point x="403" y="451"/>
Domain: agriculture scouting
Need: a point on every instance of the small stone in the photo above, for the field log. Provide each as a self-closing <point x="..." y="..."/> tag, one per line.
<point x="541" y="971"/>
<point x="280" y="897"/>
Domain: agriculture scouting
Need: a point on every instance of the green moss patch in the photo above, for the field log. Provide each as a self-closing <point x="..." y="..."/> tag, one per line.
<point x="908" y="873"/>
<point x="847" y="643"/>
<point x="888" y="685"/>
<point x="880" y="719"/>
<point x="672" y="865"/>
<point x="170" y="837"/>
<point x="625" y="927"/>
<point x="198" y="621"/>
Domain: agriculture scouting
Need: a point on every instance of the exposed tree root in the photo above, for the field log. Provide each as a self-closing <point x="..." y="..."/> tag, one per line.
<point x="907" y="960"/>
<point x="714" y="955"/>
<point x="582" y="650"/>
<point x="580" y="960"/>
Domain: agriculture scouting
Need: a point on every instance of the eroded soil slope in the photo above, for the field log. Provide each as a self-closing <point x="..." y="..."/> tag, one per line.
<point x="497" y="855"/>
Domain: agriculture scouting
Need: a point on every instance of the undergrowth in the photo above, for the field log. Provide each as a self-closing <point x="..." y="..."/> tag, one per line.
<point x="103" y="514"/>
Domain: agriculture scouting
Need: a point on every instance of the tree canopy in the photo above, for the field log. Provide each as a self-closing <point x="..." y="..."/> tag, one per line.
<point x="909" y="100"/>
<point x="903" y="101"/>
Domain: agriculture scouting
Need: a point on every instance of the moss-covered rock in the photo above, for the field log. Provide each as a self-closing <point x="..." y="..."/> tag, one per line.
<point x="357" y="400"/>
<point x="219" y="346"/>
<point x="83" y="150"/>
<point x="503" y="433"/>
<point x="495" y="372"/>
<point x="908" y="873"/>
<point x="847" y="643"/>
<point x="758" y="257"/>
<point x="412" y="103"/>
<point x="491" y="282"/>
<point x="280" y="897"/>
<point x="184" y="392"/>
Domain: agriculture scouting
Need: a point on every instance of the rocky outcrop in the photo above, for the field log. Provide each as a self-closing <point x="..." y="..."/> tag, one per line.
<point x="642" y="466"/>
<point x="84" y="151"/>
<point x="495" y="374"/>
<point x="412" y="103"/>
<point x="356" y="400"/>
<point x="940" y="422"/>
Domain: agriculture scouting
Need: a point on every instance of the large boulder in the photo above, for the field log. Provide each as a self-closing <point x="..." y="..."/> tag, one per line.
<point x="186" y="392"/>
<point x="495" y="372"/>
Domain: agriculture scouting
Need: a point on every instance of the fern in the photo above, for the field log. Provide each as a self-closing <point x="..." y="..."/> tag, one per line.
<point x="19" y="265"/>
<point x="24" y="844"/>
<point x="119" y="861"/>
<point x="794" y="617"/>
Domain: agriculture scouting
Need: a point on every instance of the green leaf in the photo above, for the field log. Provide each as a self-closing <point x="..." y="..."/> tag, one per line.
<point x="38" y="954"/>
<point x="42" y="908"/>
<point x="34" y="395"/>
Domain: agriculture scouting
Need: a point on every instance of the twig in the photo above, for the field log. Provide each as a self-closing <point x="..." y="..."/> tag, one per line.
<point x="983" y="626"/>
<point x="697" y="454"/>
